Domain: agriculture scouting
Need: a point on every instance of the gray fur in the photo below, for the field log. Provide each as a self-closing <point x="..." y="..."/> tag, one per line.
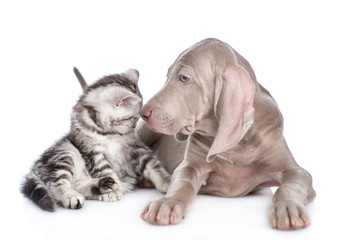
<point x="101" y="157"/>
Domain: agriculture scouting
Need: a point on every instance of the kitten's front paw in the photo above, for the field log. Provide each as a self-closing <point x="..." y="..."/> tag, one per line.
<point x="113" y="191"/>
<point x="163" y="184"/>
<point x="112" y="196"/>
<point x="163" y="187"/>
<point x="106" y="184"/>
<point x="72" y="200"/>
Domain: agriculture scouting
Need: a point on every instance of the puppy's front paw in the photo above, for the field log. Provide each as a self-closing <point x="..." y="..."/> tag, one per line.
<point x="288" y="215"/>
<point x="164" y="211"/>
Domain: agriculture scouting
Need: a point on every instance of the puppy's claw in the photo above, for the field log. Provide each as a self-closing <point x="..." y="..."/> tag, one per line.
<point x="173" y="219"/>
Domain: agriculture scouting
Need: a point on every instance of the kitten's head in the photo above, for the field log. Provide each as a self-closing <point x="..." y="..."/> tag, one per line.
<point x="110" y="105"/>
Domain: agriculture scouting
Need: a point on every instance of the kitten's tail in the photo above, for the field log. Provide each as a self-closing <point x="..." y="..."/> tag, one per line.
<point x="80" y="78"/>
<point x="34" y="189"/>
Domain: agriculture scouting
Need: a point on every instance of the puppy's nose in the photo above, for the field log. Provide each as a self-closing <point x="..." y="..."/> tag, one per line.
<point x="146" y="113"/>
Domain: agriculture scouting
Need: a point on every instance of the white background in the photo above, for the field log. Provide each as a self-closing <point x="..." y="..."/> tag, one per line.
<point x="290" y="44"/>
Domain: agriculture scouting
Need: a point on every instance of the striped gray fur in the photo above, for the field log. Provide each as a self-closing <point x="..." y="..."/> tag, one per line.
<point x="101" y="157"/>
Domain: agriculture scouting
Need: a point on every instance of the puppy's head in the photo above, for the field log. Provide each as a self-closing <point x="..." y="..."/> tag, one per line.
<point x="206" y="92"/>
<point x="185" y="98"/>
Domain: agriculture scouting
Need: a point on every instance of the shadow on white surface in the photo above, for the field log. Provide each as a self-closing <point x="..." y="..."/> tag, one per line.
<point x="208" y="218"/>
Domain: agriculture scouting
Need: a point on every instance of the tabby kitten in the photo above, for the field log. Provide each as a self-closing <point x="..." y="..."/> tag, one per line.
<point x="101" y="157"/>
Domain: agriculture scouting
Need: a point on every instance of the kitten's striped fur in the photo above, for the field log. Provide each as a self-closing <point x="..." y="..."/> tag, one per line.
<point x="101" y="157"/>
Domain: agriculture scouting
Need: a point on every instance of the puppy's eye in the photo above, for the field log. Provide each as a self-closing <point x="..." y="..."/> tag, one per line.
<point x="184" y="78"/>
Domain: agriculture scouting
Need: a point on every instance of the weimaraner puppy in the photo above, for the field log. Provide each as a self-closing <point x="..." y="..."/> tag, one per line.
<point x="234" y="132"/>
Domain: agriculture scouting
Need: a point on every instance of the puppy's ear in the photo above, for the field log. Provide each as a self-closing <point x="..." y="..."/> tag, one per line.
<point x="234" y="108"/>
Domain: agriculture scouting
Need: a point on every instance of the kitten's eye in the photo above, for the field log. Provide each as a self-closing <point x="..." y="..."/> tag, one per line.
<point x="184" y="78"/>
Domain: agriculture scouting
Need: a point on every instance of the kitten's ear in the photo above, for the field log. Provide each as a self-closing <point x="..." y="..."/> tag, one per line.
<point x="80" y="78"/>
<point x="126" y="98"/>
<point x="133" y="74"/>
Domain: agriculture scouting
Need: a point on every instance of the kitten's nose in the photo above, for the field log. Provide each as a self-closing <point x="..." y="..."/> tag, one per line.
<point x="146" y="113"/>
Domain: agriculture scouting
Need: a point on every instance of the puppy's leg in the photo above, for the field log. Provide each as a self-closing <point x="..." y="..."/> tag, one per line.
<point x="172" y="208"/>
<point x="288" y="211"/>
<point x="185" y="184"/>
